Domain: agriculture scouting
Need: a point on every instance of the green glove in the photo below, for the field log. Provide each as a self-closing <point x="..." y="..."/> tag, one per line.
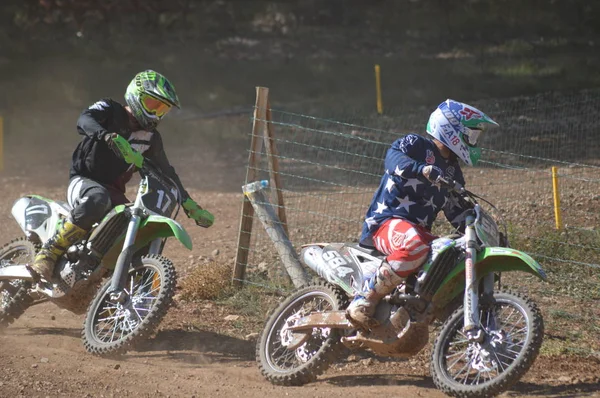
<point x="202" y="217"/>
<point x="127" y="152"/>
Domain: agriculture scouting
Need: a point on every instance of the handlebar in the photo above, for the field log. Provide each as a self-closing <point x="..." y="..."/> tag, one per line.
<point x="469" y="199"/>
<point x="465" y="198"/>
<point x="123" y="149"/>
<point x="149" y="168"/>
<point x="452" y="185"/>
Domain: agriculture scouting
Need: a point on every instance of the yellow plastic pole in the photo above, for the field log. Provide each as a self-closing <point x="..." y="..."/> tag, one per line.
<point x="556" y="198"/>
<point x="1" y="143"/>
<point x="378" y="88"/>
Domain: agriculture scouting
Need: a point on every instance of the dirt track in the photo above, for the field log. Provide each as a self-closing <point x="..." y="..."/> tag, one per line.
<point x="42" y="355"/>
<point x="218" y="366"/>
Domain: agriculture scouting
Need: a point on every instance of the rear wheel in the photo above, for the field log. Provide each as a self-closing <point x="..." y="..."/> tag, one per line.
<point x="299" y="365"/>
<point x="112" y="328"/>
<point x="14" y="295"/>
<point x="513" y="329"/>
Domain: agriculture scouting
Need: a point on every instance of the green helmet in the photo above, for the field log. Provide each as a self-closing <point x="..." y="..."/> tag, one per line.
<point x="150" y="96"/>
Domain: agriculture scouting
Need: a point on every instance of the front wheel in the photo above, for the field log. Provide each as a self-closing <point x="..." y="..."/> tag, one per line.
<point x="514" y="330"/>
<point x="299" y="365"/>
<point x="112" y="328"/>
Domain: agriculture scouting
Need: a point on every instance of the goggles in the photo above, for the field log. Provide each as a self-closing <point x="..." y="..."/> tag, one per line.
<point x="471" y="136"/>
<point x="154" y="106"/>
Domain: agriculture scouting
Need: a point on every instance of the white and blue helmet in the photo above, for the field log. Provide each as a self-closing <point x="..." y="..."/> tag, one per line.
<point x="458" y="126"/>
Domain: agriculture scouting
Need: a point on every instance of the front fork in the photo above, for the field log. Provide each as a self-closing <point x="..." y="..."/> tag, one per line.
<point x="119" y="277"/>
<point x="471" y="298"/>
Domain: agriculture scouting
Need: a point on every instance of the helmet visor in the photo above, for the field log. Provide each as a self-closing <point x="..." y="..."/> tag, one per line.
<point x="154" y="106"/>
<point x="471" y="136"/>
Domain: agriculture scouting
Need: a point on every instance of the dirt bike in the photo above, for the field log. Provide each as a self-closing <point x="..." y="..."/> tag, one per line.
<point x="489" y="337"/>
<point x="125" y="246"/>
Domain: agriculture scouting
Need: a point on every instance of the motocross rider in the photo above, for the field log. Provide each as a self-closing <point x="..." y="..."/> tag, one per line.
<point x="404" y="207"/>
<point x="100" y="169"/>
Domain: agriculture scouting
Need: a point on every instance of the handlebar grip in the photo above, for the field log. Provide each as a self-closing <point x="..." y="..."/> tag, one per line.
<point x="198" y="223"/>
<point x="446" y="182"/>
<point x="451" y="185"/>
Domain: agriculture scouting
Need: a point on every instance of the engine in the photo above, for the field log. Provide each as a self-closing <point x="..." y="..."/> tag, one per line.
<point x="78" y="264"/>
<point x="79" y="276"/>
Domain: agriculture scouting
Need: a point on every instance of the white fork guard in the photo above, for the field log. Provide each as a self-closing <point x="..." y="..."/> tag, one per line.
<point x="15" y="272"/>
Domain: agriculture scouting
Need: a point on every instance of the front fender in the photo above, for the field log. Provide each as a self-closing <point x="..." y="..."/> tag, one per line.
<point x="164" y="227"/>
<point x="489" y="260"/>
<point x="152" y="227"/>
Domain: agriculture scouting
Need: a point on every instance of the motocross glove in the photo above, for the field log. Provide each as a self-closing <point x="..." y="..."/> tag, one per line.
<point x="432" y="173"/>
<point x="202" y="217"/>
<point x="123" y="149"/>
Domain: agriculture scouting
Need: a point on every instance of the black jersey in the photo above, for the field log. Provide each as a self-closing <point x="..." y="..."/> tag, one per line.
<point x="94" y="159"/>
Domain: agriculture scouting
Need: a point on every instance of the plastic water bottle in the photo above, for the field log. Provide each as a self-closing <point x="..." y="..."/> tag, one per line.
<point x="255" y="186"/>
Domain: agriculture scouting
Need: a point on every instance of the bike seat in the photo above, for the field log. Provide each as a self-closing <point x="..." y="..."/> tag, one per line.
<point x="369" y="250"/>
<point x="64" y="205"/>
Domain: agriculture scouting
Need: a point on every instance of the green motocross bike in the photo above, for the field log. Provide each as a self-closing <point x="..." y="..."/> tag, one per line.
<point x="489" y="338"/>
<point x="125" y="246"/>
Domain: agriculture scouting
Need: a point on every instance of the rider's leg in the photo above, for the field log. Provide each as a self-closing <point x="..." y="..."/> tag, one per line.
<point x="362" y="308"/>
<point x="65" y="236"/>
<point x="90" y="202"/>
<point x="407" y="247"/>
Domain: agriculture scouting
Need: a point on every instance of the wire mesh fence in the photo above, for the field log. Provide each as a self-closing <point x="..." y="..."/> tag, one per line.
<point x="330" y="169"/>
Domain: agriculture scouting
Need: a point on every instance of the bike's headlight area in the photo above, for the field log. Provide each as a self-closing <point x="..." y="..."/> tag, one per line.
<point x="160" y="202"/>
<point x="486" y="228"/>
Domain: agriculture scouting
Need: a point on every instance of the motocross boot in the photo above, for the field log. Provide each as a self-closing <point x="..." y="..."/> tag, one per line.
<point x="45" y="261"/>
<point x="361" y="310"/>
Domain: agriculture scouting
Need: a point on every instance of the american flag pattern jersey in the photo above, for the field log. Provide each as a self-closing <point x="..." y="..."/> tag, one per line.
<point x="406" y="194"/>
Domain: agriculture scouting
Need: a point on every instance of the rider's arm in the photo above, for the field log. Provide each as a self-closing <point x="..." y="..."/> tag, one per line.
<point x="401" y="158"/>
<point x="453" y="211"/>
<point x="91" y="122"/>
<point x="157" y="154"/>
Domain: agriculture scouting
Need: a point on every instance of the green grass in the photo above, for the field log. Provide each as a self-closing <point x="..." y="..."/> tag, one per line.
<point x="569" y="300"/>
<point x="560" y="313"/>
<point x="526" y="69"/>
<point x="511" y="47"/>
<point x="252" y="301"/>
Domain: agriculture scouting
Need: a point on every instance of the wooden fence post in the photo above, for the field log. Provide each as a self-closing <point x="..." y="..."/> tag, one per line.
<point x="273" y="159"/>
<point x="245" y="233"/>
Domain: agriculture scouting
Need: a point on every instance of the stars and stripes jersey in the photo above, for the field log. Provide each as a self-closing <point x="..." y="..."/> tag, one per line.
<point x="405" y="193"/>
<point x="94" y="159"/>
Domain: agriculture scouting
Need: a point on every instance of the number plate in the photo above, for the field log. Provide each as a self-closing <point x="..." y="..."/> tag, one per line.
<point x="159" y="199"/>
